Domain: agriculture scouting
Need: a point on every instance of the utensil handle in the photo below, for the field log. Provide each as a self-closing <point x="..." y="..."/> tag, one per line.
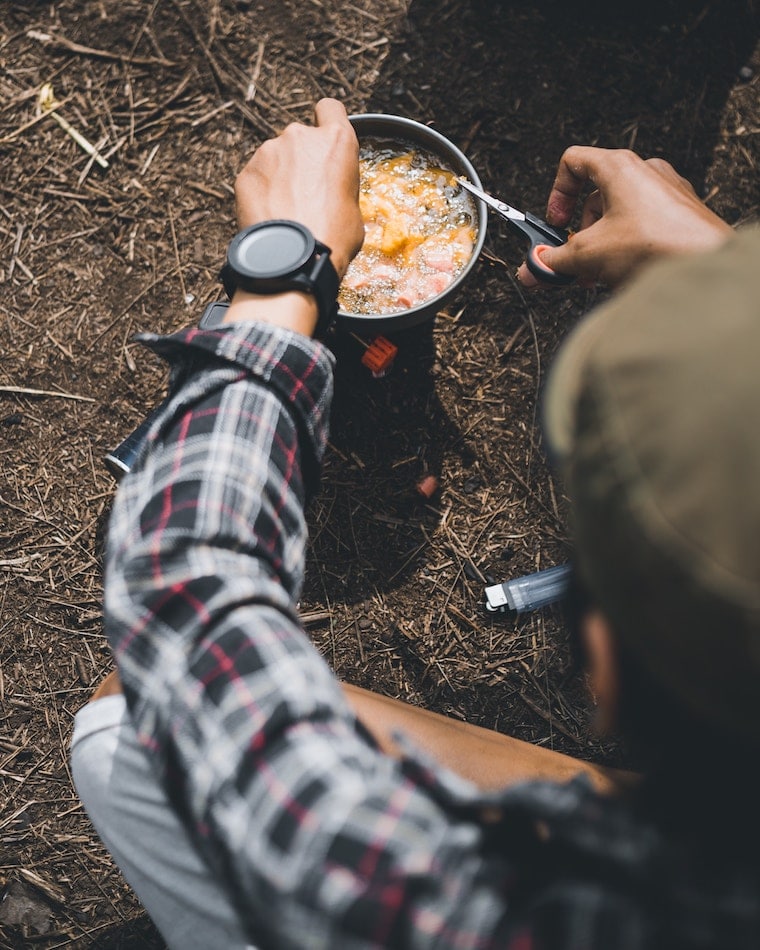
<point x="541" y="271"/>
<point x="543" y="235"/>
<point x="543" y="232"/>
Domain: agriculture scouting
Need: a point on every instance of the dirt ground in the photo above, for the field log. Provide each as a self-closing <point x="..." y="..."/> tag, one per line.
<point x="175" y="94"/>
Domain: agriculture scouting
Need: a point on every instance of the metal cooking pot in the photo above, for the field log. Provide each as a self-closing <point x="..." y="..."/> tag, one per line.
<point x="398" y="130"/>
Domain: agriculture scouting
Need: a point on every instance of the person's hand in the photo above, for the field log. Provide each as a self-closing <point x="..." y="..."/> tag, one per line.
<point x="310" y="175"/>
<point x="639" y="211"/>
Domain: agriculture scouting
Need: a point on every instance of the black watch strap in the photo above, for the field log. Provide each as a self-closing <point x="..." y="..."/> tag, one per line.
<point x="325" y="290"/>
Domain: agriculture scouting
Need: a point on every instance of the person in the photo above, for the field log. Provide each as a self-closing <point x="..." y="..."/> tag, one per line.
<point x="252" y="801"/>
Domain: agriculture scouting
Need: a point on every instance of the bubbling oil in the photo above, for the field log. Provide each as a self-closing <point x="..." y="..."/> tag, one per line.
<point x="419" y="231"/>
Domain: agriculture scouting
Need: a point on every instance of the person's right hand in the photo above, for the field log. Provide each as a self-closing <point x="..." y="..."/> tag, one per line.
<point x="639" y="211"/>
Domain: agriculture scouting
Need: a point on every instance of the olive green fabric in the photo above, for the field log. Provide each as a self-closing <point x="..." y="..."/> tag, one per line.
<point x="652" y="411"/>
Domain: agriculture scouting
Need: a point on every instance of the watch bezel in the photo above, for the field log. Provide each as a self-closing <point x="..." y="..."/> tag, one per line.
<point x="244" y="272"/>
<point x="314" y="273"/>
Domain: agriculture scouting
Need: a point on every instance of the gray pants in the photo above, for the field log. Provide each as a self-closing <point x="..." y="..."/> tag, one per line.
<point x="135" y="821"/>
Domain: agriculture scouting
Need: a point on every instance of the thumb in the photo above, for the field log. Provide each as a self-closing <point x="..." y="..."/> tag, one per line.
<point x="559" y="259"/>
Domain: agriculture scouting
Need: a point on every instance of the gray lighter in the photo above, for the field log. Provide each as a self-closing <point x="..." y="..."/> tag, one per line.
<point x="529" y="592"/>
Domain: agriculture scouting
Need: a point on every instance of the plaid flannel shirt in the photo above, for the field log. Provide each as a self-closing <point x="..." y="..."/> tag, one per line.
<point x="321" y="840"/>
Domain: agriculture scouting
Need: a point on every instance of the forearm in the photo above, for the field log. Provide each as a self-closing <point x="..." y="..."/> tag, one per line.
<point x="204" y="567"/>
<point x="212" y="519"/>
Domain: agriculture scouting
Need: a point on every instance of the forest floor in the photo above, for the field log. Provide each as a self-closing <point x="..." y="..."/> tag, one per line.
<point x="175" y="94"/>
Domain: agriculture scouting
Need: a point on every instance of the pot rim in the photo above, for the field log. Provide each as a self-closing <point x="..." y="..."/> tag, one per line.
<point x="439" y="145"/>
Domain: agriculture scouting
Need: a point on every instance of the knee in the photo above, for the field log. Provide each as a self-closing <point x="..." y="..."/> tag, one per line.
<point x="93" y="750"/>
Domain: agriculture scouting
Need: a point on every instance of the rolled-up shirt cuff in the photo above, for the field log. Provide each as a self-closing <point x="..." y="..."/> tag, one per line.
<point x="296" y="367"/>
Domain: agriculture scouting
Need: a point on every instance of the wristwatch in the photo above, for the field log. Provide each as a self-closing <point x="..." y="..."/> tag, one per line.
<point x="276" y="256"/>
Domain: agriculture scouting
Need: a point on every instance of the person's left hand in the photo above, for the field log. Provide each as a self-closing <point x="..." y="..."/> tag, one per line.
<point x="640" y="211"/>
<point x="310" y="175"/>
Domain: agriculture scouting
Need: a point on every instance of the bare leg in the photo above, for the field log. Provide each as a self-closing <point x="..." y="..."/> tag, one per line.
<point x="489" y="759"/>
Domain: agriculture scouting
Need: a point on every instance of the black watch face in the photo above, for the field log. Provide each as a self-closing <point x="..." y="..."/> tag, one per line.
<point x="273" y="250"/>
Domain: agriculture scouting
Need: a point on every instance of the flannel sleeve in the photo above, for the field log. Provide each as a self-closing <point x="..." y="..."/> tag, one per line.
<point x="312" y="829"/>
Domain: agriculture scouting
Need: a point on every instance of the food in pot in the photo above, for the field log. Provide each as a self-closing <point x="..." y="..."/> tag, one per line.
<point x="420" y="231"/>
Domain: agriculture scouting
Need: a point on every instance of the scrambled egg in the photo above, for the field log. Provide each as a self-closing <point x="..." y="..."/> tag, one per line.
<point x="419" y="232"/>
